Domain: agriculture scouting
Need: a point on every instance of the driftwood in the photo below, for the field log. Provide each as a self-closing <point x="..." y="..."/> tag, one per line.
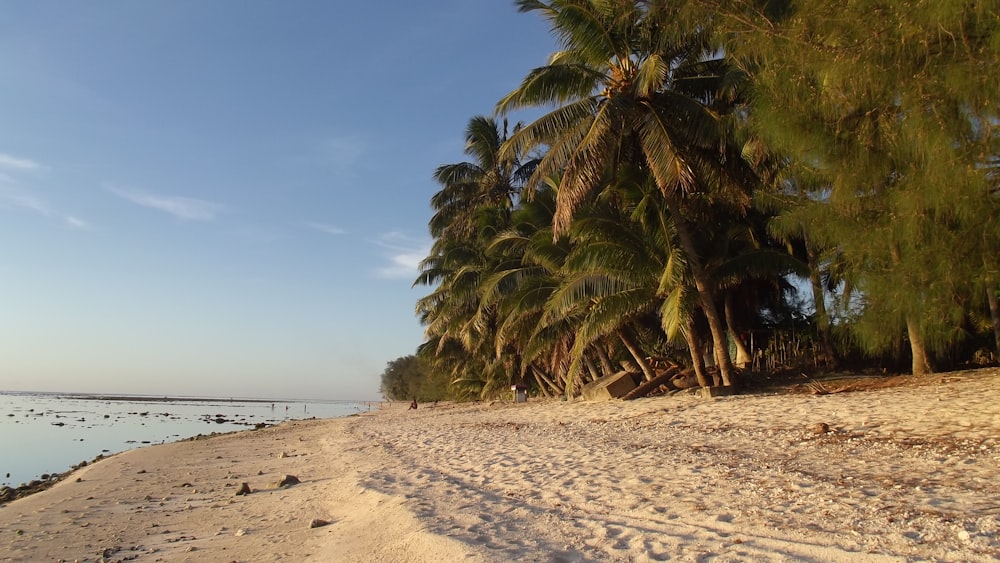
<point x="647" y="387"/>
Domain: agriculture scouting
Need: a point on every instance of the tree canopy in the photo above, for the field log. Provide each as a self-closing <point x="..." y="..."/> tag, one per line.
<point x="698" y="165"/>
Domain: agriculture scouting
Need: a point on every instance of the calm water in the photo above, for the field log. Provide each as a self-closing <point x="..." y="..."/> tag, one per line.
<point x="49" y="433"/>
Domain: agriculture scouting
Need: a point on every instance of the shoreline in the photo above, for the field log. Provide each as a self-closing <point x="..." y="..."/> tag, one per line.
<point x="124" y="397"/>
<point x="49" y="434"/>
<point x="49" y="480"/>
<point x="889" y="474"/>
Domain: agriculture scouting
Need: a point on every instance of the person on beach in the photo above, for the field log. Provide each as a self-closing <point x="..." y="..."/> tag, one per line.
<point x="413" y="405"/>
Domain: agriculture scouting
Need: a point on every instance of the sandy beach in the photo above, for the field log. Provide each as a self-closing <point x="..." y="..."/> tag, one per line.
<point x="896" y="474"/>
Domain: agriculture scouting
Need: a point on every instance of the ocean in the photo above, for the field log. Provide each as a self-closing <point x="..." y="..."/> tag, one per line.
<point x="46" y="433"/>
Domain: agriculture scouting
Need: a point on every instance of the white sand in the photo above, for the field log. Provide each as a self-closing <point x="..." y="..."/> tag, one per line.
<point x="907" y="473"/>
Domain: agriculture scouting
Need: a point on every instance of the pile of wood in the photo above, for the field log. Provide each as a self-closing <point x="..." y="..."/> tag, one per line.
<point x="627" y="384"/>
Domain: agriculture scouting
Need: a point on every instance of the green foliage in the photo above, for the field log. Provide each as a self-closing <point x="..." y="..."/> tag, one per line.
<point x="694" y="157"/>
<point x="886" y="113"/>
<point x="411" y="378"/>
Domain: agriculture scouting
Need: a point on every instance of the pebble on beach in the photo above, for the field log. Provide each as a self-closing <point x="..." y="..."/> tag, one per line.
<point x="288" y="481"/>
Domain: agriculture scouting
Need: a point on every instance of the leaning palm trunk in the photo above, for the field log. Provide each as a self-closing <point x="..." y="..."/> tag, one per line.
<point x="701" y="283"/>
<point x="595" y="374"/>
<point x="647" y="371"/>
<point x="542" y="386"/>
<point x="694" y="346"/>
<point x="556" y="389"/>
<point x="602" y="355"/>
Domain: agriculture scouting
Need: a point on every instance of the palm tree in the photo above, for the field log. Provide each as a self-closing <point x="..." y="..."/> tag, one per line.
<point x="490" y="184"/>
<point x="621" y="271"/>
<point x="630" y="88"/>
<point x="528" y="263"/>
<point x="473" y="205"/>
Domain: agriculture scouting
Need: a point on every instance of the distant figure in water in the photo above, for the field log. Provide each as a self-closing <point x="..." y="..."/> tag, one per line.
<point x="413" y="405"/>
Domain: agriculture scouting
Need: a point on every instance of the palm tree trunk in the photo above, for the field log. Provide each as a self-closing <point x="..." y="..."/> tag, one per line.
<point x="556" y="389"/>
<point x="921" y="364"/>
<point x="694" y="346"/>
<point x="647" y="371"/>
<point x="591" y="367"/>
<point x="542" y="386"/>
<point x="606" y="366"/>
<point x="564" y="383"/>
<point x="705" y="295"/>
<point x="742" y="355"/>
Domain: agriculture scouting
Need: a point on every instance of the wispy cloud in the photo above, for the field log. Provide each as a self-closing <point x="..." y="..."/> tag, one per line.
<point x="13" y="193"/>
<point x="404" y="254"/>
<point x="15" y="196"/>
<point x="326" y="228"/>
<point x="11" y="162"/>
<point x="184" y="208"/>
<point x="77" y="223"/>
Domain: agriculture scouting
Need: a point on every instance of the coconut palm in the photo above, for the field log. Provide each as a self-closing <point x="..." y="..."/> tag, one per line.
<point x="620" y="273"/>
<point x="490" y="183"/>
<point x="474" y="203"/>
<point x="632" y="89"/>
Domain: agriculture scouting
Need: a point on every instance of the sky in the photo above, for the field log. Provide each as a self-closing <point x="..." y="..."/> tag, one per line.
<point x="230" y="197"/>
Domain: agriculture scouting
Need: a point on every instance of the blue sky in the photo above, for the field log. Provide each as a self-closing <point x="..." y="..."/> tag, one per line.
<point x="230" y="197"/>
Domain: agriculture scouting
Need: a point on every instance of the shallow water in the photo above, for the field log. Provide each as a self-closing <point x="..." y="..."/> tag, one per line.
<point x="49" y="433"/>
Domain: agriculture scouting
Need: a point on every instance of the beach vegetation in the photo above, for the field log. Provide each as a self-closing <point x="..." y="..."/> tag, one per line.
<point x="885" y="115"/>
<point x="408" y="378"/>
<point x="730" y="187"/>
